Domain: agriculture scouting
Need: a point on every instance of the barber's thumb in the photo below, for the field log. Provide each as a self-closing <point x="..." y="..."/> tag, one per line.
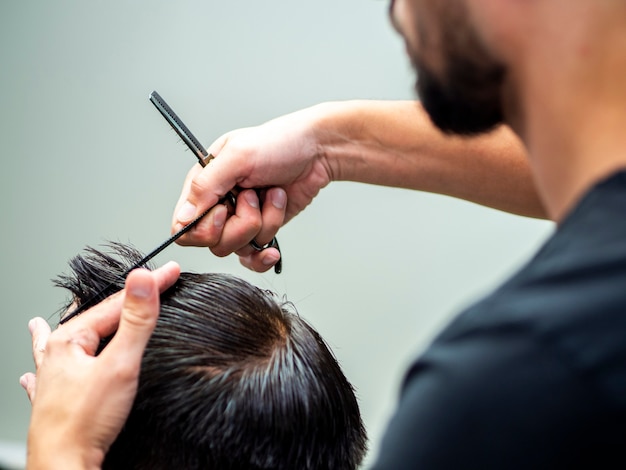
<point x="139" y="312"/>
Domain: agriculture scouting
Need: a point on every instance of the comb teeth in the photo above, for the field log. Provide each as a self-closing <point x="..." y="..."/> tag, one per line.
<point x="180" y="128"/>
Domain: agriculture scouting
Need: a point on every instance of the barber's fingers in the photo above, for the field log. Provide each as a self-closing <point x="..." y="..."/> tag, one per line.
<point x="254" y="220"/>
<point x="260" y="261"/>
<point x="138" y="318"/>
<point x="28" y="381"/>
<point x="243" y="226"/>
<point x="84" y="332"/>
<point x="224" y="234"/>
<point x="231" y="167"/>
<point x="166" y="275"/>
<point x="273" y="214"/>
<point x="203" y="188"/>
<point x="191" y="174"/>
<point x="102" y="320"/>
<point x="207" y="231"/>
<point x="251" y="221"/>
<point x="40" y="332"/>
<point x="272" y="218"/>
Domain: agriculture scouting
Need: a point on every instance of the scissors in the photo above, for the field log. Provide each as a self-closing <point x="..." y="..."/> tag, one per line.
<point x="204" y="158"/>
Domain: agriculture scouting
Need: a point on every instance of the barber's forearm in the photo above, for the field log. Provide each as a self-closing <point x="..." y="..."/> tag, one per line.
<point x="394" y="143"/>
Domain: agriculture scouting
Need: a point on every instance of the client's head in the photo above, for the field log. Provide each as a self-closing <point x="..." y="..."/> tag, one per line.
<point x="231" y="379"/>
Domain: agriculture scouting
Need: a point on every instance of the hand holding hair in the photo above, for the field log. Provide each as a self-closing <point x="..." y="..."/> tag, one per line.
<point x="80" y="401"/>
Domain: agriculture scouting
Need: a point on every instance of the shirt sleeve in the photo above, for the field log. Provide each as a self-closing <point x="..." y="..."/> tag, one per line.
<point x="491" y="400"/>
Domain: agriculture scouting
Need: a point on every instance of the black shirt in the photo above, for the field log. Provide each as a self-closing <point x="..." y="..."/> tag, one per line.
<point x="533" y="376"/>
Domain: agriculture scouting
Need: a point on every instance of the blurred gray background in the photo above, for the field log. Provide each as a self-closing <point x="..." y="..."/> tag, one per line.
<point x="86" y="158"/>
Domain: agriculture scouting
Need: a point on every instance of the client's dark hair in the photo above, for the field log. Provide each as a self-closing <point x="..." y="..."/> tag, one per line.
<point x="231" y="379"/>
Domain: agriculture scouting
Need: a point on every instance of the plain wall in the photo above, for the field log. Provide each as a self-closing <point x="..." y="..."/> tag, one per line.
<point x="86" y="158"/>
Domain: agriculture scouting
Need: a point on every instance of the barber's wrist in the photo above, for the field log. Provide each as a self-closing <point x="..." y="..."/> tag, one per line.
<point x="343" y="138"/>
<point x="332" y="131"/>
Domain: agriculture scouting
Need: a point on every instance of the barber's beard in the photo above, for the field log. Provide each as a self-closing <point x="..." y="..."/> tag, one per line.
<point x="467" y="102"/>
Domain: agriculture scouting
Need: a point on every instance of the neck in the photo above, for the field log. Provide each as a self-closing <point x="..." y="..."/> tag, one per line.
<point x="572" y="108"/>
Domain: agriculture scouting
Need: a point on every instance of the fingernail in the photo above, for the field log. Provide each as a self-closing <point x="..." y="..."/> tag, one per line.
<point x="270" y="259"/>
<point x="219" y="219"/>
<point x="24" y="381"/>
<point x="140" y="288"/>
<point x="186" y="212"/>
<point x="31" y="325"/>
<point x="252" y="199"/>
<point x="279" y="199"/>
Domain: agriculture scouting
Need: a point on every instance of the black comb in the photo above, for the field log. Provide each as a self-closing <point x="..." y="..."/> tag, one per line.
<point x="112" y="287"/>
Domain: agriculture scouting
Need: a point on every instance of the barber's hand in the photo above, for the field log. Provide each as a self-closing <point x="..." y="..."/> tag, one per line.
<point x="80" y="401"/>
<point x="281" y="155"/>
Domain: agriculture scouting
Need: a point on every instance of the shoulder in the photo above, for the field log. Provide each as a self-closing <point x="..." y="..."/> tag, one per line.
<point x="499" y="399"/>
<point x="534" y="375"/>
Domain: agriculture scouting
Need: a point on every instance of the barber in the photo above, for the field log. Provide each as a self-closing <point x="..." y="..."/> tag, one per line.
<point x="531" y="377"/>
<point x="534" y="375"/>
<point x="80" y="402"/>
